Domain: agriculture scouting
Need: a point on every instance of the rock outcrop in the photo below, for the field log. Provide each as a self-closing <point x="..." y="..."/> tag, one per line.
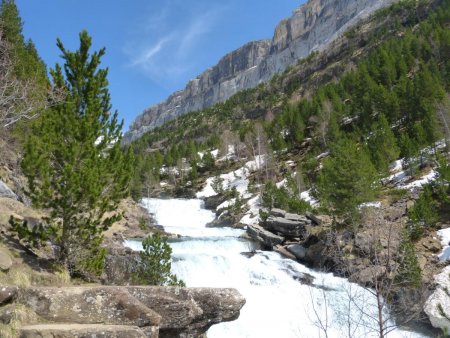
<point x="125" y="311"/>
<point x="312" y="27"/>
<point x="289" y="226"/>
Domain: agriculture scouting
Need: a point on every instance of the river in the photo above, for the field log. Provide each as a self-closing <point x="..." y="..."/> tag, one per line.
<point x="278" y="304"/>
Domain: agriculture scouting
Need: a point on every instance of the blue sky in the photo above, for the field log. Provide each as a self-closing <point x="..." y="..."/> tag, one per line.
<point x="153" y="47"/>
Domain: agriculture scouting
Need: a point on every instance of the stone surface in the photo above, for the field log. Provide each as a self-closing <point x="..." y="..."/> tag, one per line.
<point x="277" y="212"/>
<point x="129" y="311"/>
<point x="8" y="293"/>
<point x="282" y="251"/>
<point x="85" y="331"/>
<point x="189" y="311"/>
<point x="293" y="227"/>
<point x="297" y="250"/>
<point x="437" y="306"/>
<point x="5" y="260"/>
<point x="313" y="26"/>
<point x="88" y="305"/>
<point x="120" y="265"/>
<point x="267" y="238"/>
<point x="5" y="191"/>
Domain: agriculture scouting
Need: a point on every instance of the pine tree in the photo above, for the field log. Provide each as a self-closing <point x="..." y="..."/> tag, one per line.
<point x="347" y="179"/>
<point x="155" y="265"/>
<point x="383" y="145"/>
<point x="74" y="164"/>
<point x="409" y="272"/>
<point x="24" y="81"/>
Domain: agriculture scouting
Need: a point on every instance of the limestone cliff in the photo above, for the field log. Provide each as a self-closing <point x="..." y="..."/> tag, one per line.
<point x="310" y="28"/>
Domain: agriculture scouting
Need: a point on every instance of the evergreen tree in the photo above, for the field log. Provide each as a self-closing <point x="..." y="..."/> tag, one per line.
<point x="155" y="265"/>
<point x="347" y="179"/>
<point x="424" y="213"/>
<point x="74" y="164"/>
<point x="409" y="272"/>
<point x="383" y="145"/>
<point x="28" y="64"/>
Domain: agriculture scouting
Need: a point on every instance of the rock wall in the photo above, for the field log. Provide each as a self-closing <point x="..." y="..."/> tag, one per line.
<point x="121" y="311"/>
<point x="310" y="28"/>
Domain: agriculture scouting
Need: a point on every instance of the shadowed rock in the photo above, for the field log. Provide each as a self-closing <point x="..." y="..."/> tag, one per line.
<point x="267" y="238"/>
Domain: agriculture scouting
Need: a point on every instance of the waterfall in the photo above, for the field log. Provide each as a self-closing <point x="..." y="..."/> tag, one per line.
<point x="278" y="304"/>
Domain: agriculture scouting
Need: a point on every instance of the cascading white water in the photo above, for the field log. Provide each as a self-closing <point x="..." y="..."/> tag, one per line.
<point x="277" y="304"/>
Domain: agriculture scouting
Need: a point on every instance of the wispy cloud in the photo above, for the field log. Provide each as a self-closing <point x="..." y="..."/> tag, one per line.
<point x="164" y="45"/>
<point x="150" y="51"/>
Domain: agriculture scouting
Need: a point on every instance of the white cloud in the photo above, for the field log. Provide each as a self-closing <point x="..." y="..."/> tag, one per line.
<point x="164" y="45"/>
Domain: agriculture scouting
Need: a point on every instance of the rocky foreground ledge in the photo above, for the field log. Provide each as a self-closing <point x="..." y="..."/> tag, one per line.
<point x="120" y="311"/>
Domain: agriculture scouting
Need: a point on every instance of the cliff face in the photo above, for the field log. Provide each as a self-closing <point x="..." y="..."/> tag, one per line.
<point x="310" y="28"/>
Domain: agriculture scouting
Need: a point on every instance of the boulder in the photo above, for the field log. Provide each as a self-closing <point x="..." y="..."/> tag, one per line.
<point x="212" y="202"/>
<point x="290" y="228"/>
<point x="282" y="251"/>
<point x="86" y="331"/>
<point x="133" y="311"/>
<point x="299" y="251"/>
<point x="88" y="305"/>
<point x="437" y="306"/>
<point x="316" y="220"/>
<point x="189" y="312"/>
<point x="266" y="238"/>
<point x="5" y="260"/>
<point x="120" y="265"/>
<point x="277" y="212"/>
<point x="5" y="191"/>
<point x="8" y="293"/>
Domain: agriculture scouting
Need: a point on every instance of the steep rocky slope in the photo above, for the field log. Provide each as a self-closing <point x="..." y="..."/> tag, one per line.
<point x="311" y="27"/>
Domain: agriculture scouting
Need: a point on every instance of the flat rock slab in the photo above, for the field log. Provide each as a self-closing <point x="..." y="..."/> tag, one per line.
<point x="8" y="293"/>
<point x="88" y="305"/>
<point x="286" y="227"/>
<point x="85" y="331"/>
<point x="263" y="236"/>
<point x="5" y="260"/>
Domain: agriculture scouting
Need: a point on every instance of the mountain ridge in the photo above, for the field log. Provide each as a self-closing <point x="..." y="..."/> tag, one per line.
<point x="312" y="27"/>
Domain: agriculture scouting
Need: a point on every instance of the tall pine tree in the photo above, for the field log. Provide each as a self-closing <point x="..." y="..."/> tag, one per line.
<point x="75" y="166"/>
<point x="347" y="179"/>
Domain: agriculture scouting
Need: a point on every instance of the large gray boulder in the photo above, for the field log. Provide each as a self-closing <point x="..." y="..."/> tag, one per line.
<point x="299" y="251"/>
<point x="189" y="311"/>
<point x="266" y="238"/>
<point x="290" y="226"/>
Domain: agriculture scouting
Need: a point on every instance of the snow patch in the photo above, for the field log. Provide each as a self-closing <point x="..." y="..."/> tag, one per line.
<point x="306" y="196"/>
<point x="370" y="205"/>
<point x="439" y="301"/>
<point x="444" y="236"/>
